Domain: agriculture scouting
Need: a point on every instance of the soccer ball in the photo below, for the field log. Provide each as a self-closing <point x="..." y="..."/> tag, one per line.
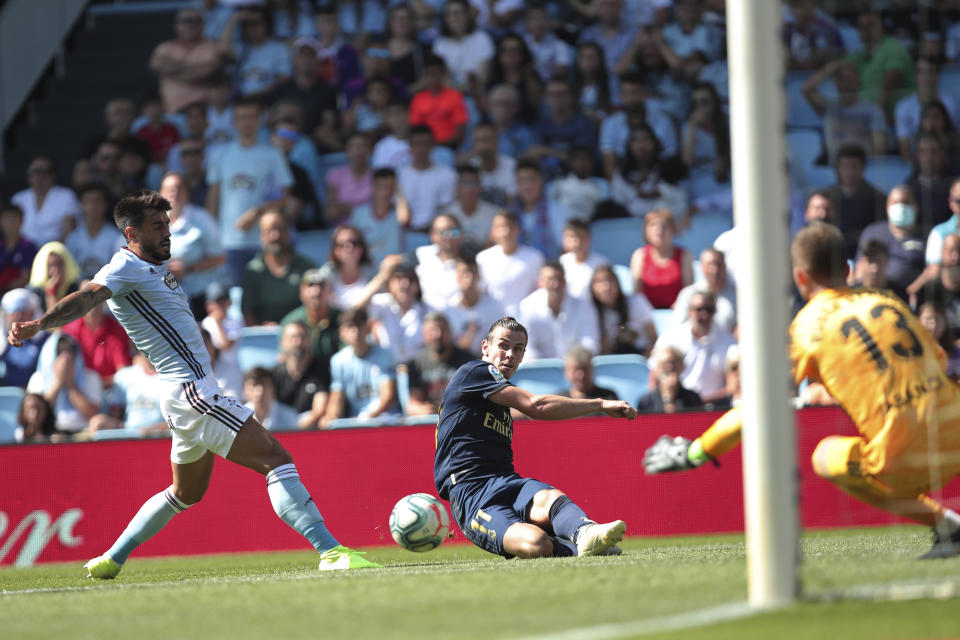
<point x="419" y="522"/>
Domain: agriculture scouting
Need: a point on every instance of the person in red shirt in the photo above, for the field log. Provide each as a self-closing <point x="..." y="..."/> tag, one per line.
<point x="159" y="134"/>
<point x="438" y="106"/>
<point x="103" y="342"/>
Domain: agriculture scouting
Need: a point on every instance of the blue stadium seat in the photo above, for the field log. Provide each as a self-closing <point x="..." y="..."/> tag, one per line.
<point x="662" y="319"/>
<point x="799" y="112"/>
<point x="886" y="172"/>
<point x="626" y="374"/>
<point x="10" y="398"/>
<point x="617" y="238"/>
<point x="258" y="347"/>
<point x="704" y="228"/>
<point x="703" y="183"/>
<point x="328" y="161"/>
<point x="443" y="155"/>
<point x="541" y="376"/>
<point x="314" y="244"/>
<point x="850" y="37"/>
<point x="806" y="145"/>
<point x="414" y="239"/>
<point x="819" y="177"/>
<point x="622" y="272"/>
<point x="950" y="83"/>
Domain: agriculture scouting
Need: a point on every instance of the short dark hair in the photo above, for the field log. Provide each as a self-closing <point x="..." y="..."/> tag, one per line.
<point x="467" y="259"/>
<point x="577" y="224"/>
<point x="94" y="186"/>
<point x="509" y="216"/>
<point x="247" y="101"/>
<point x="510" y="324"/>
<point x="9" y="207"/>
<point x="528" y="163"/>
<point x="132" y="209"/>
<point x="258" y="375"/>
<point x="555" y="265"/>
<point x="852" y="150"/>
<point x="631" y="77"/>
<point x="356" y="317"/>
<point x="384" y="172"/>
<point x="467" y="168"/>
<point x="421" y="130"/>
<point x="819" y="250"/>
<point x="875" y="249"/>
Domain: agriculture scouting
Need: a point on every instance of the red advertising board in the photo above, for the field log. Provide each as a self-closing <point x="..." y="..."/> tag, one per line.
<point x="70" y="501"/>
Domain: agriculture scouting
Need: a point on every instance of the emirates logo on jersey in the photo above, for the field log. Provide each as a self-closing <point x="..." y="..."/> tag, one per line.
<point x="171" y="280"/>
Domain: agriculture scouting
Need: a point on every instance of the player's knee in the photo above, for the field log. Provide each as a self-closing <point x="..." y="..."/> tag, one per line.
<point x="278" y="456"/>
<point x="534" y="546"/>
<point x="545" y="497"/>
<point x="189" y="495"/>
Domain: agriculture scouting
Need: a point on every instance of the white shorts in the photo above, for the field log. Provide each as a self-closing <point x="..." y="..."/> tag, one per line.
<point x="202" y="419"/>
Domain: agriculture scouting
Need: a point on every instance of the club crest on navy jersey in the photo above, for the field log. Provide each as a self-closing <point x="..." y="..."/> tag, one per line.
<point x="496" y="374"/>
<point x="171" y="280"/>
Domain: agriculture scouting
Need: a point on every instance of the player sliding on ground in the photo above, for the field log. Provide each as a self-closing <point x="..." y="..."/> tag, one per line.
<point x="153" y="309"/>
<point x="885" y="370"/>
<point x="498" y="510"/>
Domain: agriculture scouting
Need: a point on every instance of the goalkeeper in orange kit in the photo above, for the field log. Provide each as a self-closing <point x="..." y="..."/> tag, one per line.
<point x="885" y="370"/>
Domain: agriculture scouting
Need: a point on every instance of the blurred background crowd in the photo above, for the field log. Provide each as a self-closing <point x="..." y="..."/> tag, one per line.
<point x="361" y="187"/>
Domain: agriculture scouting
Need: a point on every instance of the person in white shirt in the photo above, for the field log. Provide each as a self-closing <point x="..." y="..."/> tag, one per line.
<point x="474" y="215"/>
<point x="715" y="281"/>
<point x="396" y="316"/>
<point x="552" y="55"/>
<point x="906" y="114"/>
<point x="428" y="187"/>
<point x="509" y="269"/>
<point x="436" y="262"/>
<point x="466" y="49"/>
<point x="497" y="171"/>
<point x="94" y="241"/>
<point x="578" y="260"/>
<point x="555" y="320"/>
<point x="471" y="311"/>
<point x="393" y="150"/>
<point x="50" y="211"/>
<point x="704" y="345"/>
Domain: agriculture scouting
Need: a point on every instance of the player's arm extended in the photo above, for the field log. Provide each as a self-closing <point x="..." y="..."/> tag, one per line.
<point x="679" y="454"/>
<point x="71" y="307"/>
<point x="552" y="407"/>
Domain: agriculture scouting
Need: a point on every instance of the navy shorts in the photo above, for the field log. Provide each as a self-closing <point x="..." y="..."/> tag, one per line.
<point x="485" y="509"/>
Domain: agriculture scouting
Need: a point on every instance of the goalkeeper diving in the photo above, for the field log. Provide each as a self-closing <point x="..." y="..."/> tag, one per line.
<point x="885" y="370"/>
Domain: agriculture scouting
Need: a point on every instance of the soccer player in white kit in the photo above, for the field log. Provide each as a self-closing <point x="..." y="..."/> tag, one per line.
<point x="153" y="309"/>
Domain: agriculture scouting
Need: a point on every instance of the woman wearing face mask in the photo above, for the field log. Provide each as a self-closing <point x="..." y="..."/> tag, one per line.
<point x="906" y="264"/>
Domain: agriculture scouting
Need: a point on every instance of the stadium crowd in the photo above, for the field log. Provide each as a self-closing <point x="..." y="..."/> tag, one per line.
<point x="458" y="155"/>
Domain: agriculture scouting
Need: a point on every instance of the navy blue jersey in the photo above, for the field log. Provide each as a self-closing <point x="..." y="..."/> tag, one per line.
<point x="474" y="434"/>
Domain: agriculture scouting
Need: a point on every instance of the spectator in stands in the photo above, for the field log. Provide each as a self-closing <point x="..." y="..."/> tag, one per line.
<point x="319" y="99"/>
<point x="226" y="370"/>
<point x="625" y="322"/>
<point x="271" y="281"/>
<point x="579" y="191"/>
<point x="704" y="345"/>
<point x="16" y="252"/>
<point x="904" y="245"/>
<point x="578" y="371"/>
<point x="592" y="82"/>
<point x="224" y="329"/>
<point x="54" y="273"/>
<point x="849" y="118"/>
<point x="302" y="378"/>
<point x="660" y="269"/>
<point x="393" y="149"/>
<point x="105" y="164"/>
<point x="473" y="214"/>
<point x="74" y="391"/>
<point x="466" y="50"/>
<point x="471" y="311"/>
<point x="908" y="110"/>
<point x="820" y="208"/>
<point x="49" y="211"/>
<point x="931" y="315"/>
<point x="432" y="367"/>
<point x="668" y="394"/>
<point x="689" y="40"/>
<point x="363" y="381"/>
<point x="885" y="65"/>
<point x="611" y="31"/>
<point x="437" y="261"/>
<point x="118" y="114"/>
<point x="195" y="128"/>
<point x="195" y="254"/>
<point x="406" y="53"/>
<point x="156" y="131"/>
<point x="339" y="63"/>
<point x="578" y="260"/>
<point x="260" y="395"/>
<point x="812" y="40"/>
<point x="671" y="90"/>
<point x="560" y="128"/>
<point x="939" y="233"/>
<point x="20" y="305"/>
<point x="639" y="183"/>
<point x="496" y="170"/>
<point x="396" y="315"/>
<point x="936" y="120"/>
<point x="514" y="65"/>
<point x="262" y="63"/>
<point x="439" y="107"/>
<point x="36" y="420"/>
<point x="368" y="112"/>
<point x="509" y="270"/>
<point x="378" y="220"/>
<point x="300" y="150"/>
<point x="859" y="203"/>
<point x="301" y="206"/>
<point x="870" y="269"/>
<point x="715" y="281"/>
<point x="94" y="242"/>
<point x="184" y="64"/>
<point x="247" y="178"/>
<point x="134" y="401"/>
<point x="503" y="105"/>
<point x="551" y="55"/>
<point x="427" y="187"/>
<point x="557" y="321"/>
<point x="350" y="185"/>
<point x="930" y="184"/>
<point x="636" y="111"/>
<point x="541" y="219"/>
<point x="349" y="259"/>
<point x="706" y="136"/>
<point x="318" y="312"/>
<point x="220" y="121"/>
<point x="103" y="342"/>
<point x="944" y="290"/>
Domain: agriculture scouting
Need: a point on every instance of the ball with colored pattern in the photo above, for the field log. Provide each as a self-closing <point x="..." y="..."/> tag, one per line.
<point x="419" y="522"/>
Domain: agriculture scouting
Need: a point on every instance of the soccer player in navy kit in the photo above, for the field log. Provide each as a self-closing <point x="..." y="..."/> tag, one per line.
<point x="497" y="509"/>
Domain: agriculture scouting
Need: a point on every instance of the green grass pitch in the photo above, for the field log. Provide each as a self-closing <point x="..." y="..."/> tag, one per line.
<point x="660" y="588"/>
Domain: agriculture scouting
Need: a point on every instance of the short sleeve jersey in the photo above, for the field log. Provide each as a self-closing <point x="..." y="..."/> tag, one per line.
<point x="474" y="434"/>
<point x="152" y="307"/>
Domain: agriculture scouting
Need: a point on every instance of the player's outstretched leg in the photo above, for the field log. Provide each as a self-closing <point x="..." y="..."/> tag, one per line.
<point x="257" y="449"/>
<point x="569" y="521"/>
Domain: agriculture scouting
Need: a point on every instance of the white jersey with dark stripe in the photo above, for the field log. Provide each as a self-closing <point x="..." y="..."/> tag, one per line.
<point x="153" y="309"/>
